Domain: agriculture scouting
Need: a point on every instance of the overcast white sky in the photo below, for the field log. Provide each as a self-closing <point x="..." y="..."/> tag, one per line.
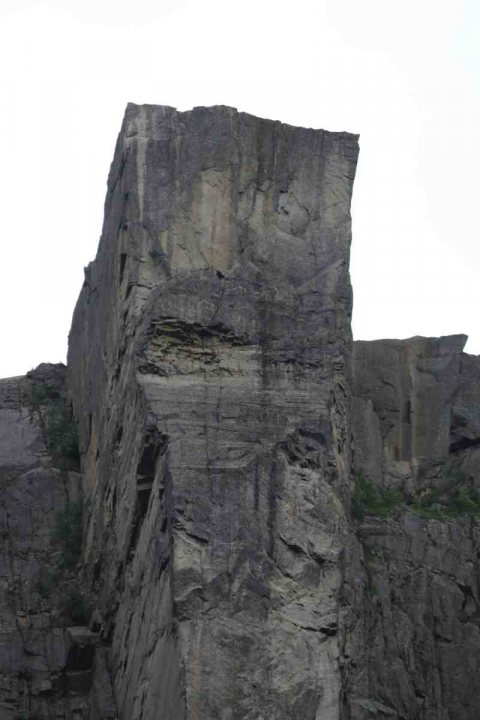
<point x="405" y="74"/>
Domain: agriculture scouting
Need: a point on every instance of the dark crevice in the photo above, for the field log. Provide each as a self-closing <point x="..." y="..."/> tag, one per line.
<point x="294" y="547"/>
<point x="463" y="444"/>
<point x="330" y="629"/>
<point x="97" y="571"/>
<point x="118" y="436"/>
<point x="154" y="447"/>
<point x="123" y="261"/>
<point x="143" y="498"/>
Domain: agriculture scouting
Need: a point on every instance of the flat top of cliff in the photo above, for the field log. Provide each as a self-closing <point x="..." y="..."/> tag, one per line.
<point x="456" y="341"/>
<point x="134" y="109"/>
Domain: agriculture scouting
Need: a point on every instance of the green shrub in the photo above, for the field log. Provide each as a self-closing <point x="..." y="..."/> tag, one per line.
<point x="76" y="608"/>
<point x="58" y="425"/>
<point x="46" y="582"/>
<point x="61" y="434"/>
<point x="67" y="535"/>
<point x="39" y="393"/>
<point x="452" y="497"/>
<point x="368" y="499"/>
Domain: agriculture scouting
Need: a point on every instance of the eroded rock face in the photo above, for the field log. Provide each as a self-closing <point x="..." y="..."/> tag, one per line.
<point x="415" y="419"/>
<point x="34" y="617"/>
<point x="403" y="394"/>
<point x="207" y="366"/>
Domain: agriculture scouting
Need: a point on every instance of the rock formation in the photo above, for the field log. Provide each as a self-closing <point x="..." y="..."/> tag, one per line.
<point x="277" y="523"/>
<point x="207" y="365"/>
<point x="415" y="415"/>
<point x="46" y="660"/>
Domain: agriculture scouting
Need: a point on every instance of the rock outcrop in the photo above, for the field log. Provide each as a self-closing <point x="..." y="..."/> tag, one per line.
<point x="207" y="365"/>
<point x="415" y="415"/>
<point x="270" y="523"/>
<point x="40" y="598"/>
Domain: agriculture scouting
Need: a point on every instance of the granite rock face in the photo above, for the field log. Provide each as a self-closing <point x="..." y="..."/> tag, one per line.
<point x="207" y="365"/>
<point x="415" y="418"/>
<point x="403" y="414"/>
<point x="37" y="676"/>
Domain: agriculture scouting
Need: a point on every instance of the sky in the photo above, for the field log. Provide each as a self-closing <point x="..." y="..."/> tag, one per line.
<point x="405" y="75"/>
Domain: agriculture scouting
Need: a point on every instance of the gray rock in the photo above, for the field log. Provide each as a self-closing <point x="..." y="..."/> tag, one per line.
<point x="207" y="366"/>
<point x="417" y="641"/>
<point x="33" y="650"/>
<point x="409" y="385"/>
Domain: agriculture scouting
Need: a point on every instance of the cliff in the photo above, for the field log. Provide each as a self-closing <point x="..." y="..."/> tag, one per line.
<point x="207" y="365"/>
<point x="415" y="419"/>
<point x="47" y="654"/>
<point x="277" y="523"/>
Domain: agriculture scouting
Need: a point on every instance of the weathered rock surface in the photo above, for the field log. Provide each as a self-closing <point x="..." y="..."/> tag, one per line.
<point x="415" y="417"/>
<point x="34" y="672"/>
<point x="403" y="395"/>
<point x="207" y="366"/>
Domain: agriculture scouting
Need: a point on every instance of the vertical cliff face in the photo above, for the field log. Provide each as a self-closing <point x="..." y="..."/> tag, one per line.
<point x="415" y="416"/>
<point x="404" y="393"/>
<point x="208" y="370"/>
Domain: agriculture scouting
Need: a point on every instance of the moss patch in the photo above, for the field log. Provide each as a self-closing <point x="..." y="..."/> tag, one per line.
<point x="368" y="499"/>
<point x="454" y="496"/>
<point x="58" y="426"/>
<point x="66" y="535"/>
<point x="75" y="607"/>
